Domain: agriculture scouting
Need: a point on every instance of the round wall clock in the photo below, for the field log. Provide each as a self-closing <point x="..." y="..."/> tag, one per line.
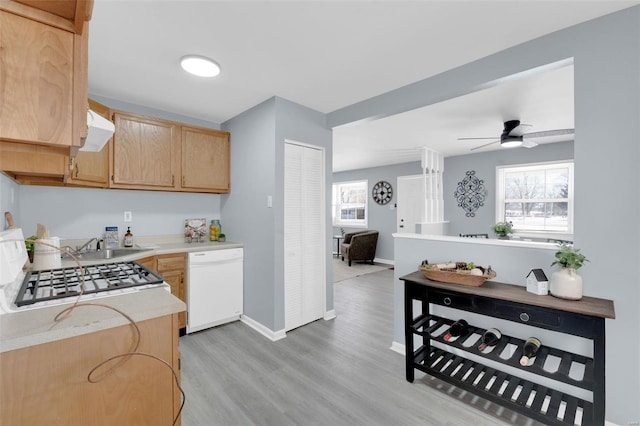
<point x="382" y="192"/>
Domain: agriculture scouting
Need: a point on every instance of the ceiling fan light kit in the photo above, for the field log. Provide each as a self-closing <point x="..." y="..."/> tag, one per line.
<point x="514" y="135"/>
<point x="510" y="141"/>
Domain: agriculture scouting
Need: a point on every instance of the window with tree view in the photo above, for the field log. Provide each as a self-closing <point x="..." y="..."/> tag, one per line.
<point x="349" y="205"/>
<point x="536" y="197"/>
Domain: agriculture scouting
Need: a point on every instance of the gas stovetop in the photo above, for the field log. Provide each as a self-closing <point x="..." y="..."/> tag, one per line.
<point x="116" y="277"/>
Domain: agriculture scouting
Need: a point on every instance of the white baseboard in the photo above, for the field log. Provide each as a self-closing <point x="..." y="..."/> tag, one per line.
<point x="265" y="331"/>
<point x="398" y="347"/>
<point x="385" y="261"/>
<point x="329" y="315"/>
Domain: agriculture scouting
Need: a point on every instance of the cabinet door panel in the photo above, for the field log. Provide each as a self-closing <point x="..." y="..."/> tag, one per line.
<point x="172" y="267"/>
<point x="36" y="70"/>
<point x="92" y="168"/>
<point x="205" y="159"/>
<point x="144" y="153"/>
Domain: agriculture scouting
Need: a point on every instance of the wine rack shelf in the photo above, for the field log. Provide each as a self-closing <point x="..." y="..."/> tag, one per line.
<point x="455" y="361"/>
<point x="426" y="325"/>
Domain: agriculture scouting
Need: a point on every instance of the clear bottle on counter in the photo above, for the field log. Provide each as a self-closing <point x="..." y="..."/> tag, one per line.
<point x="214" y="230"/>
<point x="128" y="238"/>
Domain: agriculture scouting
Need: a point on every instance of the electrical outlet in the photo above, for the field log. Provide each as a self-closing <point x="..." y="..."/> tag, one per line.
<point x="128" y="217"/>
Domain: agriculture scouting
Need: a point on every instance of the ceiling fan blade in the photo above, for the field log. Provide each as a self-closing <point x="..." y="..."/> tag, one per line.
<point x="546" y="133"/>
<point x="527" y="143"/>
<point x="472" y="139"/>
<point x="520" y="129"/>
<point x="482" y="146"/>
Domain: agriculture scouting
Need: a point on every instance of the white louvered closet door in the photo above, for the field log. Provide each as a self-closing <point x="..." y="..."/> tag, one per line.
<point x="304" y="264"/>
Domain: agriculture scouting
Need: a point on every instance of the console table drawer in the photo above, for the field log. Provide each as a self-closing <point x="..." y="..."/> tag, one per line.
<point x="462" y="301"/>
<point x="528" y="315"/>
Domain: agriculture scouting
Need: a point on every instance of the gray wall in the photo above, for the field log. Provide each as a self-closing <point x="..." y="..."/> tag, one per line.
<point x="9" y="198"/>
<point x="152" y="112"/>
<point x="77" y="213"/>
<point x="485" y="164"/>
<point x="257" y="171"/>
<point x="245" y="207"/>
<point x="381" y="218"/>
<point x="606" y="56"/>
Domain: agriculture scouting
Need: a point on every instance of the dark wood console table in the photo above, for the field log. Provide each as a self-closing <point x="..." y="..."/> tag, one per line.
<point x="584" y="318"/>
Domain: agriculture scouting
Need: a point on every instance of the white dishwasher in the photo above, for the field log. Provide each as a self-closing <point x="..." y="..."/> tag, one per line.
<point x="214" y="288"/>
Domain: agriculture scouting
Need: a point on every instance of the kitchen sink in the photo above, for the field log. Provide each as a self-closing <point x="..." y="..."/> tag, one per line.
<point x="109" y="253"/>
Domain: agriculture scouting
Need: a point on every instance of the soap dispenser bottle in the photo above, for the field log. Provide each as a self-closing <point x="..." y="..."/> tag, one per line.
<point x="128" y="238"/>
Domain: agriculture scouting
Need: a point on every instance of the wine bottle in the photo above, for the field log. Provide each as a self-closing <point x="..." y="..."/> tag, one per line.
<point x="529" y="350"/>
<point x="490" y="337"/>
<point x="456" y="329"/>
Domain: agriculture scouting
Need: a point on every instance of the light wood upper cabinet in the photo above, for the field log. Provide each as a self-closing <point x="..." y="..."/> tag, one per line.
<point x="205" y="160"/>
<point x="36" y="100"/>
<point x="92" y="168"/>
<point x="43" y="70"/>
<point x="43" y="89"/>
<point x="144" y="153"/>
<point x="150" y="153"/>
<point x="69" y="15"/>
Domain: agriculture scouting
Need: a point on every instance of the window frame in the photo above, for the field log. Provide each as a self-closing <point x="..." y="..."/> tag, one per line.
<point x="336" y="206"/>
<point x="547" y="165"/>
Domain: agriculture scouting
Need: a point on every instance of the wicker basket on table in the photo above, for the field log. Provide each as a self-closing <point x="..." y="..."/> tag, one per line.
<point x="456" y="276"/>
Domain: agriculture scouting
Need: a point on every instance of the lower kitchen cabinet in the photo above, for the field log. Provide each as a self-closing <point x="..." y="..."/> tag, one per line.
<point x="173" y="268"/>
<point x="47" y="383"/>
<point x="149" y="262"/>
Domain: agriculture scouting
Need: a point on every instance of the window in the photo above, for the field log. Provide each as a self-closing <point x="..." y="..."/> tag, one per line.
<point x="536" y="197"/>
<point x="349" y="205"/>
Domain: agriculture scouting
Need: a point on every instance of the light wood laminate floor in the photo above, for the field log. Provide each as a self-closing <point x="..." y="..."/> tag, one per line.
<point x="337" y="372"/>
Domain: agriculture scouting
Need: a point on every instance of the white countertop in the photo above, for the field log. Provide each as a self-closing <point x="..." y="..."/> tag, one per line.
<point x="37" y="326"/>
<point x="482" y="241"/>
<point x="161" y="245"/>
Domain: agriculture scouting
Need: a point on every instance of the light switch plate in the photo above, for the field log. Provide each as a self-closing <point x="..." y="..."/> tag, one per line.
<point x="128" y="217"/>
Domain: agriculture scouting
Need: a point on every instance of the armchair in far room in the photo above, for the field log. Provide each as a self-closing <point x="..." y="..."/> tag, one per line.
<point x="475" y="235"/>
<point x="360" y="245"/>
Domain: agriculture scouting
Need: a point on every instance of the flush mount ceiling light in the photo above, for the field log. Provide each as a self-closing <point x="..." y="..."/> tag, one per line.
<point x="200" y="66"/>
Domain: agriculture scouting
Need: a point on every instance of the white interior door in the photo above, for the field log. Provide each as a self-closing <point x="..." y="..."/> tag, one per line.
<point x="410" y="209"/>
<point x="304" y="242"/>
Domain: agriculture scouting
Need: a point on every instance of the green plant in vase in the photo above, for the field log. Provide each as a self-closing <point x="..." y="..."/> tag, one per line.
<point x="503" y="229"/>
<point x="566" y="283"/>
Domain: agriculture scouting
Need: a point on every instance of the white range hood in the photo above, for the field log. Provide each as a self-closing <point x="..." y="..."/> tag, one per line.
<point x="99" y="132"/>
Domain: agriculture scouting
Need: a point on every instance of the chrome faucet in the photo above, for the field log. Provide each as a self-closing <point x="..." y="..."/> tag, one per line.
<point x="80" y="249"/>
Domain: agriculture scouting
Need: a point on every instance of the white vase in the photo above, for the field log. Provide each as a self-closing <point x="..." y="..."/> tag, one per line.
<point x="566" y="284"/>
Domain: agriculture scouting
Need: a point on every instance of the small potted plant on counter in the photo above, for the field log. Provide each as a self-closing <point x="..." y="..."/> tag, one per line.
<point x="503" y="229"/>
<point x="222" y="238"/>
<point x="30" y="244"/>
<point x="566" y="283"/>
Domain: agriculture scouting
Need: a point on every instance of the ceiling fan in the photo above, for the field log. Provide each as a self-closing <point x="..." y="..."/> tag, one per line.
<point x="514" y="134"/>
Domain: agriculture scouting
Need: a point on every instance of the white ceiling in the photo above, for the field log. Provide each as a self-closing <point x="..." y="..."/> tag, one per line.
<point x="330" y="54"/>
<point x="544" y="101"/>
